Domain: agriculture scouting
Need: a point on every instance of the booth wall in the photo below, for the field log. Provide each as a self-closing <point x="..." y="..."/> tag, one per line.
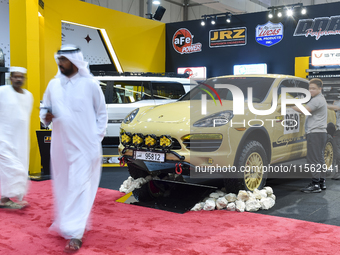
<point x="139" y="44"/>
<point x="280" y="58"/>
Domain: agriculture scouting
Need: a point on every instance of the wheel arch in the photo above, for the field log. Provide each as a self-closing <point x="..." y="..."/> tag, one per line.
<point x="258" y="133"/>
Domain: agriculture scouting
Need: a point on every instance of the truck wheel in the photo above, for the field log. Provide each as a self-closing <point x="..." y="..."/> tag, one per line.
<point x="253" y="157"/>
<point x="329" y="153"/>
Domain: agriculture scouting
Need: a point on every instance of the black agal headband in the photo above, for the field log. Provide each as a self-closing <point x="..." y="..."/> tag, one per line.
<point x="60" y="52"/>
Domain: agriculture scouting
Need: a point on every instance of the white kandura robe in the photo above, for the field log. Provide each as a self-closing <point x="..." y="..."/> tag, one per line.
<point x="15" y="116"/>
<point x="79" y="125"/>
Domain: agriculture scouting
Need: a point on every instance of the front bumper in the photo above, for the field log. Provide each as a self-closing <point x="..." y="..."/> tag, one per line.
<point x="173" y="163"/>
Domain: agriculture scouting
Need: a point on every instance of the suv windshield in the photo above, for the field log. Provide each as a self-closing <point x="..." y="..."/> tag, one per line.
<point x="260" y="86"/>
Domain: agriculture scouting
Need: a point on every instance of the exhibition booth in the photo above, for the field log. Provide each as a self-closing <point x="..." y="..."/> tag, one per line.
<point x="161" y="145"/>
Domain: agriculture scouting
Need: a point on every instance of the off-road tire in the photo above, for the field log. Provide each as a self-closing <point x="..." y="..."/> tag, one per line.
<point x="251" y="149"/>
<point x="330" y="155"/>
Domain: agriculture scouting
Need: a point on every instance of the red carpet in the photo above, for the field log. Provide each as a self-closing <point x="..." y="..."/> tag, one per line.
<point x="127" y="229"/>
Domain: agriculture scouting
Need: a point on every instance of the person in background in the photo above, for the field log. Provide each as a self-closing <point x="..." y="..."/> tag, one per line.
<point x="316" y="135"/>
<point x="15" y="113"/>
<point x="336" y="107"/>
<point x="75" y="104"/>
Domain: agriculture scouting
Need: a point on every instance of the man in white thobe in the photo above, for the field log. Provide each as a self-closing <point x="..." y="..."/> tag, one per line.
<point x="75" y="103"/>
<point x="15" y="114"/>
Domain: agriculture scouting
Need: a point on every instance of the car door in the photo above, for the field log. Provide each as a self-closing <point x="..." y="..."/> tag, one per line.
<point x="289" y="136"/>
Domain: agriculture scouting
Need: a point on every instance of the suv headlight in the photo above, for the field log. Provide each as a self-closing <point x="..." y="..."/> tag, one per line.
<point x="129" y="118"/>
<point x="215" y="120"/>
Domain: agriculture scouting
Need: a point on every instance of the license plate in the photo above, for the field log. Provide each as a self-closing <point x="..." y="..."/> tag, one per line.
<point x="150" y="156"/>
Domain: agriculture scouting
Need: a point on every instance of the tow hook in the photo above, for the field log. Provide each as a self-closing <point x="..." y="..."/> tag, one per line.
<point x="178" y="169"/>
<point x="121" y="161"/>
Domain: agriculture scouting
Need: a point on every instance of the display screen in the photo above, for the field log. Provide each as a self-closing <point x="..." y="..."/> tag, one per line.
<point x="250" y="69"/>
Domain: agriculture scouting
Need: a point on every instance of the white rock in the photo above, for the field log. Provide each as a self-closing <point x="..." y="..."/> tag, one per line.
<point x="197" y="207"/>
<point x="231" y="206"/>
<point x="220" y="193"/>
<point x="263" y="193"/>
<point x="130" y="184"/>
<point x="269" y="190"/>
<point x="253" y="205"/>
<point x="205" y="199"/>
<point x="257" y="194"/>
<point x="214" y="195"/>
<point x="251" y="195"/>
<point x="202" y="204"/>
<point x="242" y="195"/>
<point x="231" y="197"/>
<point x="267" y="203"/>
<point x="240" y="206"/>
<point x="209" y="205"/>
<point x="272" y="196"/>
<point x="221" y="203"/>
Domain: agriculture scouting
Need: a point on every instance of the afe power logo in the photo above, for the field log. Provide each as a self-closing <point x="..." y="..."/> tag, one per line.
<point x="269" y="33"/>
<point x="318" y="27"/>
<point x="228" y="37"/>
<point x="182" y="42"/>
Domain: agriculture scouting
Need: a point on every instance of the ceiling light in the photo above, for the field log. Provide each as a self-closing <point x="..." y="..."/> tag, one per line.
<point x="290" y="12"/>
<point x="204" y="21"/>
<point x="156" y="2"/>
<point x="229" y="18"/>
<point x="270" y="15"/>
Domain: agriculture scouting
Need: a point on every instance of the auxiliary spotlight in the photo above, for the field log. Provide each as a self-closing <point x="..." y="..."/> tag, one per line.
<point x="202" y="23"/>
<point x="165" y="142"/>
<point x="126" y="138"/>
<point x="279" y="14"/>
<point x="137" y="140"/>
<point x="303" y="11"/>
<point x="150" y="141"/>
<point x="213" y="21"/>
<point x="156" y="2"/>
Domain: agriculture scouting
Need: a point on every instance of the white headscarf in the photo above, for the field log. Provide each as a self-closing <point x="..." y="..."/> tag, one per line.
<point x="74" y="54"/>
<point x="17" y="69"/>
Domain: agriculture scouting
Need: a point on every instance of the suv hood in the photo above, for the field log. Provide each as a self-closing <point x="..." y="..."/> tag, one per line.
<point x="180" y="111"/>
<point x="176" y="112"/>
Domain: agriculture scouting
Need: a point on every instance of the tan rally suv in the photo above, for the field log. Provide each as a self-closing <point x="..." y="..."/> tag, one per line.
<point x="181" y="138"/>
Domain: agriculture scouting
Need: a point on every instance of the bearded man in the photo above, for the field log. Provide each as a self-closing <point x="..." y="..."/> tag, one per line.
<point x="75" y="103"/>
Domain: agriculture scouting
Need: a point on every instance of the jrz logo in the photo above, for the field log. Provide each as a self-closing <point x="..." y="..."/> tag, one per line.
<point x="228" y="37"/>
<point x="182" y="42"/>
<point x="318" y="27"/>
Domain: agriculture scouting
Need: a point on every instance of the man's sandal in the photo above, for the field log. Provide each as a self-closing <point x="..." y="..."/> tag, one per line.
<point x="12" y="205"/>
<point x="73" y="245"/>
